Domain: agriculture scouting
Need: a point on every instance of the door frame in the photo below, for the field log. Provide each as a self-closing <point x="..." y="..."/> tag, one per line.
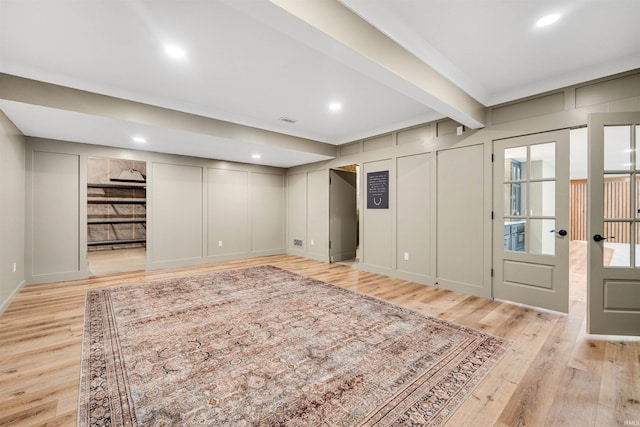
<point x="524" y="266"/>
<point x="613" y="309"/>
<point x="335" y="211"/>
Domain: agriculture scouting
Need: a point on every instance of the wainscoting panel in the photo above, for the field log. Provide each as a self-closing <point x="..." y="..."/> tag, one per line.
<point x="177" y="212"/>
<point x="55" y="213"/>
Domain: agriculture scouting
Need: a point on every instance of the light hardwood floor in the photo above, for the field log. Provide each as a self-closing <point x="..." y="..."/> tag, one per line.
<point x="554" y="375"/>
<point x="116" y="261"/>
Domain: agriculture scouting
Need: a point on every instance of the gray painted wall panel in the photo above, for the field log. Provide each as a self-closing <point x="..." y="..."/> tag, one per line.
<point x="422" y="135"/>
<point x="414" y="214"/>
<point x="351" y="148"/>
<point x="297" y="209"/>
<point x="378" y="143"/>
<point x="55" y="213"/>
<point x="181" y="231"/>
<point x="12" y="210"/>
<point x="460" y="221"/>
<point x="609" y="90"/>
<point x="447" y="127"/>
<point x="552" y="103"/>
<point x="267" y="212"/>
<point x="228" y="211"/>
<point x="377" y="241"/>
<point x="318" y="213"/>
<point x="176" y="212"/>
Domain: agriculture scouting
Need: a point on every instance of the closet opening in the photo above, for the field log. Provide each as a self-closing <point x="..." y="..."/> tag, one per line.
<point x="116" y="215"/>
<point x="344" y="226"/>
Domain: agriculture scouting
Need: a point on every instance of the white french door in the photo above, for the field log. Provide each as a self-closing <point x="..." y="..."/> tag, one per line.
<point x="613" y="296"/>
<point x="531" y="219"/>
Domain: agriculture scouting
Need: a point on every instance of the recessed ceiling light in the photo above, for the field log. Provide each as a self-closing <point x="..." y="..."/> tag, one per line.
<point x="139" y="139"/>
<point x="547" y="20"/>
<point x="335" y="106"/>
<point x="256" y="156"/>
<point x="174" y="51"/>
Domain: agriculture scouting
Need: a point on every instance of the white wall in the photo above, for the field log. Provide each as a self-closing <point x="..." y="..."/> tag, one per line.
<point x="578" y="152"/>
<point x="12" y="209"/>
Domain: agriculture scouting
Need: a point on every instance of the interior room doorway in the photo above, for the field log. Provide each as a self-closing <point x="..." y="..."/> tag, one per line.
<point x="578" y="171"/>
<point x="343" y="214"/>
<point x="116" y="215"/>
<point x="531" y="251"/>
<point x="523" y="185"/>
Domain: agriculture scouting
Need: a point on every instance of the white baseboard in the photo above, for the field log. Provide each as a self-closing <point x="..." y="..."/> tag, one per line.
<point x="15" y="292"/>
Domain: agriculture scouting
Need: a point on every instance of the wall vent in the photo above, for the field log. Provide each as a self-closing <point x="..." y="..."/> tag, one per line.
<point x="297" y="242"/>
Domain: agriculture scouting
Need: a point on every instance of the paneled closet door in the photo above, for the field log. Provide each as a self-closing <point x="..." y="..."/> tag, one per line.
<point x="463" y="230"/>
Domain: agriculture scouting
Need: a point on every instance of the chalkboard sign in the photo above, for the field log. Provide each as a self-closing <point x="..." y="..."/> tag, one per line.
<point x="378" y="190"/>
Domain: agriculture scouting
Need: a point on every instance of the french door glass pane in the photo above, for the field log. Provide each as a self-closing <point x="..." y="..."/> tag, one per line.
<point x="637" y="196"/>
<point x="543" y="161"/>
<point x="515" y="163"/>
<point x="637" y="146"/>
<point x="617" y="148"/>
<point x="542" y="198"/>
<point x="617" y="196"/>
<point x="515" y="196"/>
<point x="617" y="247"/>
<point x="542" y="236"/>
<point x="637" y="225"/>
<point x="515" y="233"/>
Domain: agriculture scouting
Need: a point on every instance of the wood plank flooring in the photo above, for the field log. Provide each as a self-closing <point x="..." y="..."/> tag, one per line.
<point x="116" y="261"/>
<point x="554" y="375"/>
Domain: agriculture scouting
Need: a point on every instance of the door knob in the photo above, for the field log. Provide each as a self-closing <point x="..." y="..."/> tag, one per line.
<point x="599" y="238"/>
<point x="560" y="232"/>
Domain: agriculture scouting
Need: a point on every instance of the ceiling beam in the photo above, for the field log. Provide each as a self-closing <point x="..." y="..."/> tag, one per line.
<point x="376" y="55"/>
<point x="20" y="89"/>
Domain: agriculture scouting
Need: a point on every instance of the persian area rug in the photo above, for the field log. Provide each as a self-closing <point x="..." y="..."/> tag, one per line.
<point x="262" y="346"/>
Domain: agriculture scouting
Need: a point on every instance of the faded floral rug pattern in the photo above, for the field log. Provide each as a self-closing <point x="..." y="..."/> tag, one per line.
<point x="262" y="346"/>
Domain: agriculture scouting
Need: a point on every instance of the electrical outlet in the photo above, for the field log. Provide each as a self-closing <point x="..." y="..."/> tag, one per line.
<point x="459" y="130"/>
<point x="312" y="241"/>
<point x="15" y="266"/>
<point x="219" y="243"/>
<point x="406" y="256"/>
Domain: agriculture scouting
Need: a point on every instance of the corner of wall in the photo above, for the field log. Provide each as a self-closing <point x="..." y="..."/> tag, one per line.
<point x="5" y="304"/>
<point x="12" y="218"/>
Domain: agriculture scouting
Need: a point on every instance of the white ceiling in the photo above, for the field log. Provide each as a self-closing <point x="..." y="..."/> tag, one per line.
<point x="251" y="62"/>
